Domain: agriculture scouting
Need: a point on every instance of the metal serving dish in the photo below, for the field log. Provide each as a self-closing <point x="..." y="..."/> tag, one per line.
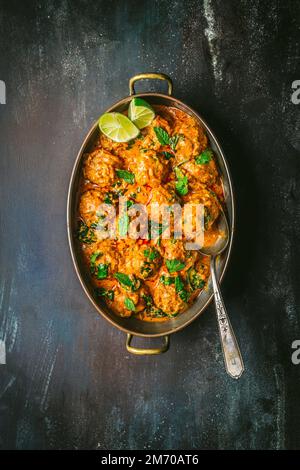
<point x="133" y="326"/>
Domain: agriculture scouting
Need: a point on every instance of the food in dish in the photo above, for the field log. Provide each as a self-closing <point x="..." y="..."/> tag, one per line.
<point x="168" y="162"/>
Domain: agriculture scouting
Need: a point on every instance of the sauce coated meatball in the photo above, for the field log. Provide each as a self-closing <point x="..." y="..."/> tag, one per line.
<point x="89" y="206"/>
<point x="99" y="167"/>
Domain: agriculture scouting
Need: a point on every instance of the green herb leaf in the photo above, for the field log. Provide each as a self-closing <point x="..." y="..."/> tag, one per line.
<point x="167" y="280"/>
<point x="195" y="280"/>
<point x="179" y="285"/>
<point x="129" y="304"/>
<point x="152" y="254"/>
<point x="93" y="259"/>
<point x="204" y="158"/>
<point x="85" y="234"/>
<point x="162" y="135"/>
<point x="147" y="299"/>
<point x="133" y="284"/>
<point x="102" y="271"/>
<point x="126" y="176"/>
<point x="174" y="265"/>
<point x="184" y="295"/>
<point x="101" y="292"/>
<point x="181" y="184"/>
<point x="124" y="279"/>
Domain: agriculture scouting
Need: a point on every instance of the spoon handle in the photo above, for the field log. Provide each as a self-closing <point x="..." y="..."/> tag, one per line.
<point x="231" y="351"/>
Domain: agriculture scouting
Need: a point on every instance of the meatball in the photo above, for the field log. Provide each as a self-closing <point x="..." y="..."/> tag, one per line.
<point x="99" y="167"/>
<point x="89" y="206"/>
<point x="142" y="260"/>
<point x="116" y="148"/>
<point x="175" y="249"/>
<point x="103" y="259"/>
<point x="148" y="169"/>
<point x="162" y="195"/>
<point x="199" y="274"/>
<point x="126" y="303"/>
<point x="192" y="139"/>
<point x="165" y="296"/>
<point x="211" y="207"/>
<point x="200" y="173"/>
<point x="150" y="137"/>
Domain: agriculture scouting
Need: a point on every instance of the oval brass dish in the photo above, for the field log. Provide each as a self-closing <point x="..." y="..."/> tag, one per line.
<point x="133" y="326"/>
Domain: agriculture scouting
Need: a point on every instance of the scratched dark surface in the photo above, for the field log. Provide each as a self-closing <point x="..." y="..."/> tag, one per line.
<point x="68" y="382"/>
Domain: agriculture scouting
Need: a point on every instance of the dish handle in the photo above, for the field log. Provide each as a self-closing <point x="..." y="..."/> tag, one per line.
<point x="151" y="351"/>
<point x="148" y="76"/>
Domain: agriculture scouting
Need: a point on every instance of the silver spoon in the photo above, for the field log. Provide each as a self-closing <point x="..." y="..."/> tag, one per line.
<point x="231" y="351"/>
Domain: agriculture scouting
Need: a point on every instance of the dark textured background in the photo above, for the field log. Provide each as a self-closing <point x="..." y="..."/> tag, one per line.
<point x="69" y="382"/>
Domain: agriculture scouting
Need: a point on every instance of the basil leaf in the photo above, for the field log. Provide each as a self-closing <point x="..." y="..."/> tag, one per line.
<point x="132" y="284"/>
<point x="204" y="158"/>
<point x="124" y="279"/>
<point x="162" y="135"/>
<point x="129" y="304"/>
<point x="126" y="176"/>
<point x="102" y="271"/>
<point x="174" y="265"/>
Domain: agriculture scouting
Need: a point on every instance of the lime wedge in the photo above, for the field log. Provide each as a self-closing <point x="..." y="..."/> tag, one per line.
<point x="118" y="127"/>
<point x="140" y="112"/>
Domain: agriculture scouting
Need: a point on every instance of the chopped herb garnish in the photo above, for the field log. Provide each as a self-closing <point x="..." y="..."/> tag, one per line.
<point x="102" y="271"/>
<point x="128" y="282"/>
<point x="179" y="285"/>
<point x="93" y="259"/>
<point x="162" y="135"/>
<point x="129" y="304"/>
<point x="174" y="265"/>
<point x="85" y="233"/>
<point x="152" y="254"/>
<point x="126" y="176"/>
<point x="164" y="138"/>
<point x="101" y="292"/>
<point x="148" y="300"/>
<point x="181" y="184"/>
<point x="167" y="280"/>
<point x="195" y="280"/>
<point x="204" y="158"/>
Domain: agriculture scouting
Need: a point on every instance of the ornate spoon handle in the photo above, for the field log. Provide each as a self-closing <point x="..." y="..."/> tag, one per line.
<point x="231" y="351"/>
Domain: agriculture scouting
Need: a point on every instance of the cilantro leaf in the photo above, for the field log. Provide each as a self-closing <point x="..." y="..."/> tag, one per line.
<point x="204" y="158"/>
<point x="174" y="265"/>
<point x="102" y="271"/>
